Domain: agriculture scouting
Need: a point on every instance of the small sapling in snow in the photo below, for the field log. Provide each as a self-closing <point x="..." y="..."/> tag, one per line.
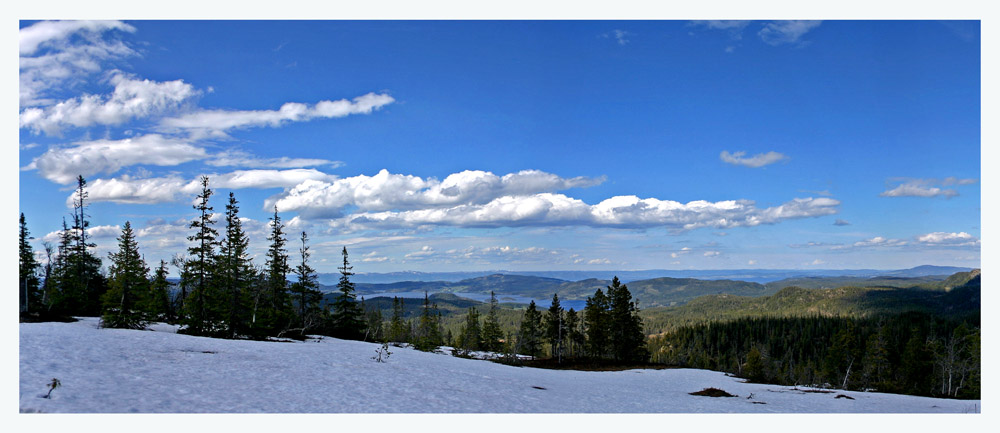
<point x="382" y="353"/>
<point x="52" y="385"/>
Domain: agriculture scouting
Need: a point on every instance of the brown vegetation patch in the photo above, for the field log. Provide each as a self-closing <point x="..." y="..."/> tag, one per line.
<point x="713" y="392"/>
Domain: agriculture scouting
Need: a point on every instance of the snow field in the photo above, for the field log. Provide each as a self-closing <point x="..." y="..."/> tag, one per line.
<point x="159" y="371"/>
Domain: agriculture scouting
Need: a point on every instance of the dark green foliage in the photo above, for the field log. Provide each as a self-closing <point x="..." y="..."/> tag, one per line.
<point x="575" y="337"/>
<point x="158" y="305"/>
<point x="492" y="331"/>
<point x="305" y="293"/>
<point x="78" y="283"/>
<point x="346" y="321"/>
<point x="597" y="322"/>
<point x="233" y="274"/>
<point x="399" y="332"/>
<point x="427" y="336"/>
<point x="30" y="296"/>
<point x="555" y="329"/>
<point x="374" y="331"/>
<point x="275" y="314"/>
<point x="628" y="342"/>
<point x="530" y="335"/>
<point x="904" y="353"/>
<point x="127" y="299"/>
<point x="200" y="313"/>
<point x="470" y="337"/>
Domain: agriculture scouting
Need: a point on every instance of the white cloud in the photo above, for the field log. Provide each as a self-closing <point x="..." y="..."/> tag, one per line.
<point x="733" y="27"/>
<point x="215" y="123"/>
<point x="758" y="160"/>
<point x="948" y="239"/>
<point x="879" y="241"/>
<point x="63" y="164"/>
<point x="128" y="189"/>
<point x="786" y="32"/>
<point x="929" y="187"/>
<point x="56" y="53"/>
<point x="373" y="257"/>
<point x="621" y="36"/>
<point x="423" y="252"/>
<point x="620" y="211"/>
<point x="131" y="99"/>
<point x="387" y="191"/>
<point x="239" y="158"/>
<point x="712" y="254"/>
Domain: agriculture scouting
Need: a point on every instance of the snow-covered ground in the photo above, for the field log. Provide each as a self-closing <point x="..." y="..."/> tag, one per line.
<point x="116" y="371"/>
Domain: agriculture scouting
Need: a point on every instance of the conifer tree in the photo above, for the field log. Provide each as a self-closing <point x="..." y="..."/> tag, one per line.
<point x="86" y="280"/>
<point x="347" y="316"/>
<point x="198" y="268"/>
<point x="470" y="338"/>
<point x="277" y="313"/>
<point x="305" y="289"/>
<point x="159" y="295"/>
<point x="597" y="322"/>
<point x="428" y="333"/>
<point x="575" y="337"/>
<point x="492" y="333"/>
<point x="234" y="273"/>
<point x="374" y="331"/>
<point x="27" y="271"/>
<point x="531" y="332"/>
<point x="555" y="330"/>
<point x="126" y="298"/>
<point x="628" y="342"/>
<point x="397" y="326"/>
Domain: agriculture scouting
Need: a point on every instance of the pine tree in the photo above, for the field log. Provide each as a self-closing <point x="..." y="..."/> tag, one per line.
<point x="234" y="273"/>
<point x="531" y="332"/>
<point x="198" y="272"/>
<point x="347" y="316"/>
<point x="428" y="334"/>
<point x="305" y="289"/>
<point x="492" y="333"/>
<point x="27" y="271"/>
<point x="126" y="298"/>
<point x="555" y="328"/>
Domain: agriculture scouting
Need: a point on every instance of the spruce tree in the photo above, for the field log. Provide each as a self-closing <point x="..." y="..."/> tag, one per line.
<point x="597" y="322"/>
<point x="277" y="313"/>
<point x="531" y="332"/>
<point x="305" y="289"/>
<point x="126" y="298"/>
<point x="30" y="296"/>
<point x="159" y="306"/>
<point x="492" y="334"/>
<point x="575" y="338"/>
<point x="85" y="279"/>
<point x="347" y="316"/>
<point x="628" y="341"/>
<point x="234" y="272"/>
<point x="398" y="329"/>
<point x="470" y="338"/>
<point x="555" y="330"/>
<point x="198" y="314"/>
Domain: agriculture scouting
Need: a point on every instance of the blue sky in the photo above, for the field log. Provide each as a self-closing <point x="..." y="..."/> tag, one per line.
<point x="539" y="145"/>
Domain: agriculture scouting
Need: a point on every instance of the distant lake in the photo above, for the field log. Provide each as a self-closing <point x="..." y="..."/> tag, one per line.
<point x="481" y="297"/>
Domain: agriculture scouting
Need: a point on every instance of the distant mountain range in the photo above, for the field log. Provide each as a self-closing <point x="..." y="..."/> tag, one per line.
<point x="650" y="292"/>
<point x="751" y="275"/>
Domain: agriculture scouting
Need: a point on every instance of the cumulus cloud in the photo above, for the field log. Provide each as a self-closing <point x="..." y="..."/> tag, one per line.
<point x="879" y="241"/>
<point x="132" y="98"/>
<point x="135" y="190"/>
<point x="387" y="191"/>
<point x="786" y="32"/>
<point x="925" y="187"/>
<point x="56" y="53"/>
<point x="758" y="160"/>
<point x="215" y="123"/>
<point x="63" y="164"/>
<point x="621" y="211"/>
<point x="948" y="239"/>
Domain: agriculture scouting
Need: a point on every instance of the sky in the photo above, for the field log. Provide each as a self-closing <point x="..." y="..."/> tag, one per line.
<point x="515" y="145"/>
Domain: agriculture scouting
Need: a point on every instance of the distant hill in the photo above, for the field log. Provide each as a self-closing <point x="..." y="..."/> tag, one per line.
<point x="752" y="275"/>
<point x="959" y="295"/>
